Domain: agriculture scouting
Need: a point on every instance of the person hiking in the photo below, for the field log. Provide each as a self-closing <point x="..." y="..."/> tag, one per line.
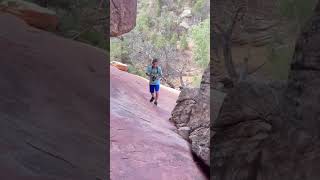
<point x="154" y="73"/>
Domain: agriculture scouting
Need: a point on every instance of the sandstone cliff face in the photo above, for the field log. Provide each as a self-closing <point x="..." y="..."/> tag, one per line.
<point x="53" y="107"/>
<point x="252" y="36"/>
<point x="122" y="16"/>
<point x="257" y="25"/>
<point x="303" y="93"/>
<point x="270" y="131"/>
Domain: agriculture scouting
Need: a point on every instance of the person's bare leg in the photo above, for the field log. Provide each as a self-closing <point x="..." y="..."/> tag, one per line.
<point x="157" y="96"/>
<point x="152" y="98"/>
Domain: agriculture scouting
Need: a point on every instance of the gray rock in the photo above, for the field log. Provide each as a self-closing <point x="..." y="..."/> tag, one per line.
<point x="200" y="140"/>
<point x="193" y="110"/>
<point x="185" y="102"/>
<point x="186" y="13"/>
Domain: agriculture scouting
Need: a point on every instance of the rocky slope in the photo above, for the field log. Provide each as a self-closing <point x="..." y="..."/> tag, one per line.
<point x="144" y="144"/>
<point x="270" y="131"/>
<point x="53" y="108"/>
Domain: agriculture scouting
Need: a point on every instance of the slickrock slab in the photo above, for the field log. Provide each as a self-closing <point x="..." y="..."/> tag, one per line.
<point x="143" y="143"/>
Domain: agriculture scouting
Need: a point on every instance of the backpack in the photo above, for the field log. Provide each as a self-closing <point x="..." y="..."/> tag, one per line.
<point x="157" y="69"/>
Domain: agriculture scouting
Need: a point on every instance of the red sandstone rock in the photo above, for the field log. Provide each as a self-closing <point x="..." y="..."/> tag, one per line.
<point x="122" y="16"/>
<point x="53" y="106"/>
<point x="120" y="66"/>
<point x="144" y="145"/>
<point x="32" y="14"/>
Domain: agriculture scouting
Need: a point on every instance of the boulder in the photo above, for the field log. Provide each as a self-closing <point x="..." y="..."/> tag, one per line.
<point x="31" y="13"/>
<point x="122" y="16"/>
<point x="186" y="13"/>
<point x="199" y="115"/>
<point x="181" y="112"/>
<point x="200" y="120"/>
<point x="192" y="112"/>
<point x="120" y="66"/>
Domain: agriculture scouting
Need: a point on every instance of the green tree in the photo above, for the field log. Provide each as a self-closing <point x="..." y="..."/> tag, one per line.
<point x="184" y="41"/>
<point x="200" y="35"/>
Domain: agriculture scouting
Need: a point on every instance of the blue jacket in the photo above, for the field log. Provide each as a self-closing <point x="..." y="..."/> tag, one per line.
<point x="154" y="72"/>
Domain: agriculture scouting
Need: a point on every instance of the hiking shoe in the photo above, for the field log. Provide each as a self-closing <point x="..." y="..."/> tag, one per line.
<point x="156" y="103"/>
<point x="151" y="99"/>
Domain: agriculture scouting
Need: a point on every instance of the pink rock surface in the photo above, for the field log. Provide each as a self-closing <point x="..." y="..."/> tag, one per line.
<point x="143" y="143"/>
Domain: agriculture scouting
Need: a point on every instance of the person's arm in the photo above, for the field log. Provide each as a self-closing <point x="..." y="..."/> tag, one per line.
<point x="148" y="71"/>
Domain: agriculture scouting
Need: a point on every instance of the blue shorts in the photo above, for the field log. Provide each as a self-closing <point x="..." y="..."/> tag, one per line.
<point x="154" y="88"/>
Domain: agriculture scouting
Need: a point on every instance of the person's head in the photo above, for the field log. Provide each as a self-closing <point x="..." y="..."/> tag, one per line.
<point x="155" y="62"/>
